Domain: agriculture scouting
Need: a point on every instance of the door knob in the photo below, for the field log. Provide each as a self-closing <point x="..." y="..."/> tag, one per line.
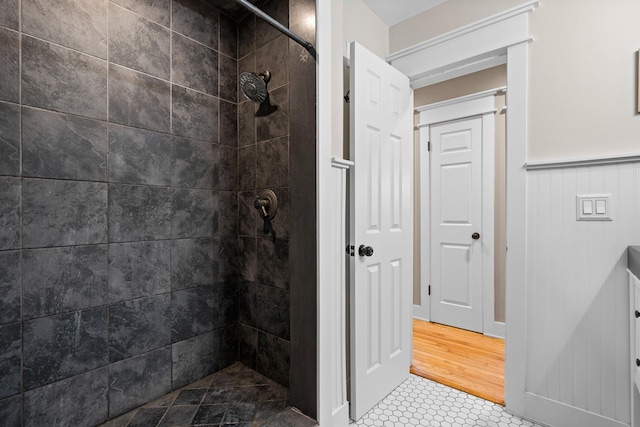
<point x="365" y="250"/>
<point x="475" y="236"/>
<point x="637" y="314"/>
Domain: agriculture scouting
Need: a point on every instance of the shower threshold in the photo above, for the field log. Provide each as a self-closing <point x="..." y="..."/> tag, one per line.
<point x="236" y="396"/>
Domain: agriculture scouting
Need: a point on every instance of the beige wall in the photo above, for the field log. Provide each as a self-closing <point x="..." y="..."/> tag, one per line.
<point x="466" y="85"/>
<point x="582" y="84"/>
<point x="354" y="22"/>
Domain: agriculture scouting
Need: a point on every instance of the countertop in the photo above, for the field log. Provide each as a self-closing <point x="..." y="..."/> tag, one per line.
<point x="634" y="260"/>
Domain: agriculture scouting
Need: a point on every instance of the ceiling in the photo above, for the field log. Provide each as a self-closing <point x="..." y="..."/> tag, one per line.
<point x="393" y="11"/>
<point x="390" y="11"/>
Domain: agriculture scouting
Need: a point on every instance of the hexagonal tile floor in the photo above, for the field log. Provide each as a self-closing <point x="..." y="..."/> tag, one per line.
<point x="422" y="402"/>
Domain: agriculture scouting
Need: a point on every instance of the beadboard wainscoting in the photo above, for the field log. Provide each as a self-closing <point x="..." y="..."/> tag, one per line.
<point x="577" y="296"/>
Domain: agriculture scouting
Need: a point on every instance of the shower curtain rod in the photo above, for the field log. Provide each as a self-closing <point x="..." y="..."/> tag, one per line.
<point x="278" y="26"/>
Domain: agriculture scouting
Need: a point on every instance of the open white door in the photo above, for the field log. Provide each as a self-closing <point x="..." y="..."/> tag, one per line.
<point x="381" y="220"/>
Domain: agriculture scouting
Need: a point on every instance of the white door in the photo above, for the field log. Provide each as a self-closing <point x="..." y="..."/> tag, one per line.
<point x="381" y="218"/>
<point x="456" y="223"/>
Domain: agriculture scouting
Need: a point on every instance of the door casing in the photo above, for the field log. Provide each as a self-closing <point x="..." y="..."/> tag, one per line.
<point x="479" y="104"/>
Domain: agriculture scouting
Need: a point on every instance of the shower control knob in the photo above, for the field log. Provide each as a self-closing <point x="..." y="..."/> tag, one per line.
<point x="365" y="250"/>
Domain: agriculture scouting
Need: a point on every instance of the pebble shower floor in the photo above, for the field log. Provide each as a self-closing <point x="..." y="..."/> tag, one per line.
<point x="422" y="402"/>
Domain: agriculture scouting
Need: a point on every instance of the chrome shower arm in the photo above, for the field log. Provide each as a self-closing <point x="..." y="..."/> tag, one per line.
<point x="278" y="26"/>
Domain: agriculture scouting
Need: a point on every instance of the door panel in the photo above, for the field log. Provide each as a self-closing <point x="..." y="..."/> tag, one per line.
<point x="456" y="192"/>
<point x="381" y="217"/>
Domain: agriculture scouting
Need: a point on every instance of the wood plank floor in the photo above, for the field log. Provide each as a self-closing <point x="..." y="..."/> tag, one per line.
<point x="464" y="360"/>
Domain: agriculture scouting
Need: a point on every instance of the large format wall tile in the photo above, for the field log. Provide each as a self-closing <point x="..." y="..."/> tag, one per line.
<point x="194" y="311"/>
<point x="228" y="123"/>
<point x="228" y="255"/>
<point x="247" y="258"/>
<point x="138" y="380"/>
<point x="228" y="79"/>
<point x="228" y="172"/>
<point x="273" y="262"/>
<point x="247" y="345"/>
<point x="196" y="20"/>
<point x="273" y="316"/>
<point x="229" y="345"/>
<point x="63" y="146"/>
<point x="246" y="36"/>
<point x="10" y="290"/>
<point x="228" y="36"/>
<point x="194" y="358"/>
<point x="139" y="269"/>
<point x="228" y="216"/>
<point x="247" y="124"/>
<point x="272" y="358"/>
<point x="194" y="65"/>
<point x="78" y="401"/>
<point x="60" y="280"/>
<point x="275" y="58"/>
<point x="63" y="213"/>
<point x="138" y="326"/>
<point x="138" y="100"/>
<point x="10" y="13"/>
<point x="193" y="213"/>
<point x="272" y="165"/>
<point x="247" y="167"/>
<point x="138" y="43"/>
<point x="61" y="346"/>
<point x="9" y="139"/>
<point x="79" y="25"/>
<point x="139" y="213"/>
<point x="278" y="10"/>
<point x="138" y="156"/>
<point x="275" y="124"/>
<point x="195" y="115"/>
<point x="10" y="189"/>
<point x="193" y="263"/>
<point x="249" y="221"/>
<point x="56" y="78"/>
<point x="10" y="358"/>
<point x="9" y="65"/>
<point x="155" y="10"/>
<point x="192" y="163"/>
<point x="11" y="411"/>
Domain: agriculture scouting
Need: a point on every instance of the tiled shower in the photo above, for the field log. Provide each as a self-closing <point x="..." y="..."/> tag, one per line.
<point x="132" y="260"/>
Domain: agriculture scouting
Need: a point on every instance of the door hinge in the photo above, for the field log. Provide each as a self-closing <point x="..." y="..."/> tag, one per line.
<point x="428" y="145"/>
<point x="429" y="289"/>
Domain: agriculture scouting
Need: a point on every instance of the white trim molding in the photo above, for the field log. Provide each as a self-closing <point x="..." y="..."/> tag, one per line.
<point x="502" y="35"/>
<point x="586" y="161"/>
<point x="479" y="104"/>
<point x="471" y="48"/>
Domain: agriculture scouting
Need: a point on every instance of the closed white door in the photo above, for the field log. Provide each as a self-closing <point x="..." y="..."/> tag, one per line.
<point x="456" y="223"/>
<point x="381" y="219"/>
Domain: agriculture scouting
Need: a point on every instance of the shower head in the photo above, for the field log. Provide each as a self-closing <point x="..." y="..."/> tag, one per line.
<point x="254" y="86"/>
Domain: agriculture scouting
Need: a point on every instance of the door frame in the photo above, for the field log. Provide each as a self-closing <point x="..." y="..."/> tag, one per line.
<point x="474" y="105"/>
<point x="497" y="39"/>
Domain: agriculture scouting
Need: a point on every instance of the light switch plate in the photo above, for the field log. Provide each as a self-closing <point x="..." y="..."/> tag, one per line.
<point x="593" y="207"/>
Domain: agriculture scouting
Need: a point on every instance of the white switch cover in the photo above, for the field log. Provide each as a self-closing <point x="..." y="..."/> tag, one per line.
<point x="593" y="207"/>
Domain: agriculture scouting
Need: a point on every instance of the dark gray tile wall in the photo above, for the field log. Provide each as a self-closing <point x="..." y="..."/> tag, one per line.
<point x="263" y="163"/>
<point x="118" y="205"/>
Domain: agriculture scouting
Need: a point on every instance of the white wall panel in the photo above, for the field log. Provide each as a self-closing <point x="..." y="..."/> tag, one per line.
<point x="577" y="316"/>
